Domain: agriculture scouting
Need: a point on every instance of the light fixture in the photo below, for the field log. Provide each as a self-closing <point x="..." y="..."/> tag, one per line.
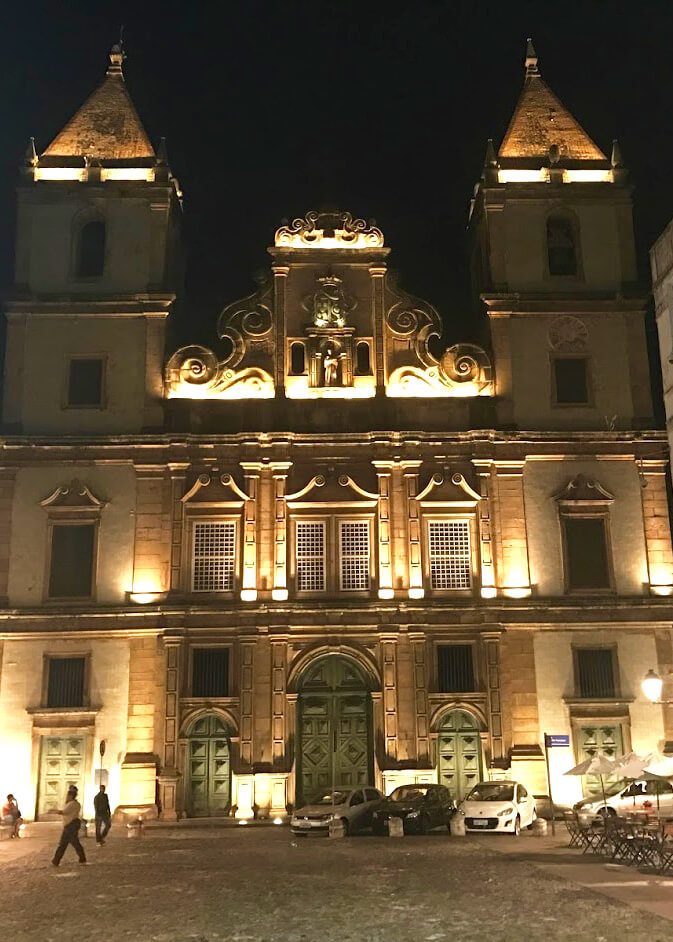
<point x="279" y="595"/>
<point x="248" y="595"/>
<point x="243" y="821"/>
<point x="386" y="593"/>
<point x="652" y="685"/>
<point x="661" y="589"/>
<point x="277" y="820"/>
<point x="516" y="591"/>
<point x="145" y="598"/>
<point x="416" y="592"/>
<point x="488" y="592"/>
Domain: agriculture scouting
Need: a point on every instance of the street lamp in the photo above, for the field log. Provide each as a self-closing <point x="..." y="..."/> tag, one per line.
<point x="652" y="685"/>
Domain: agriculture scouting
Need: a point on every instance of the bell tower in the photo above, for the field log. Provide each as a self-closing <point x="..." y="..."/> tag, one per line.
<point x="553" y="260"/>
<point x="98" y="264"/>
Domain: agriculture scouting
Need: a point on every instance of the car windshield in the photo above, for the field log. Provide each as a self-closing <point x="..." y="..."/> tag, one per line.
<point x="331" y="798"/>
<point x="492" y="791"/>
<point x="409" y="792"/>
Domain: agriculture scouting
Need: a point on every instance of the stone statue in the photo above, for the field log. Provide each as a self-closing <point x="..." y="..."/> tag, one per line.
<point x="330" y="364"/>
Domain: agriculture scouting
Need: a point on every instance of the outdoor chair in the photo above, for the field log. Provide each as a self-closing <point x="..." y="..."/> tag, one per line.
<point x="573" y="829"/>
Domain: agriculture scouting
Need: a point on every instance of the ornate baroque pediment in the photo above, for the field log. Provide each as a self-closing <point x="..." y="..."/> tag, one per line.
<point x="582" y="489"/>
<point x="72" y="496"/>
<point x="328" y="231"/>
<point x="212" y="487"/>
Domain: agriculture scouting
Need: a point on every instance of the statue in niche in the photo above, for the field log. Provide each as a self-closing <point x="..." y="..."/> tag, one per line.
<point x="330" y="304"/>
<point x="330" y="363"/>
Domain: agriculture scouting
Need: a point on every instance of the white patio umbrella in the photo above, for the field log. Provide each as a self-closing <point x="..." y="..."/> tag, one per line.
<point x="594" y="765"/>
<point x="634" y="767"/>
<point x="662" y="766"/>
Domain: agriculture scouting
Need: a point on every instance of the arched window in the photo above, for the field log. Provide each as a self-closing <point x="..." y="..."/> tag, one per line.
<point x="90" y="257"/>
<point x="362" y="359"/>
<point x="297" y="358"/>
<point x="561" y="248"/>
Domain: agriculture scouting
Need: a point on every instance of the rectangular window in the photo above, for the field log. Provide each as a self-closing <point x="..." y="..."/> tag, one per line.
<point x="586" y="553"/>
<point x="571" y="384"/>
<point x="450" y="556"/>
<point x="454" y="668"/>
<point x="595" y="674"/>
<point x="85" y="382"/>
<point x="71" y="562"/>
<point x="310" y="556"/>
<point x="214" y="557"/>
<point x="65" y="682"/>
<point x="210" y="672"/>
<point x="354" y="550"/>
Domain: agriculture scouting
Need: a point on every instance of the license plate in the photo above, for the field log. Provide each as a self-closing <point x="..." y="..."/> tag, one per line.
<point x="479" y="824"/>
<point x="303" y="824"/>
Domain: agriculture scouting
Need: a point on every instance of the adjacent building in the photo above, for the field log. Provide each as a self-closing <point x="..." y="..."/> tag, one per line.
<point x="314" y="552"/>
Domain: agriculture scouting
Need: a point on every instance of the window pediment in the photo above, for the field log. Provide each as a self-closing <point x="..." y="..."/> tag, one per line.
<point x="331" y="486"/>
<point x="72" y="496"/>
<point x="582" y="491"/>
<point x="448" y="487"/>
<point x="214" y="488"/>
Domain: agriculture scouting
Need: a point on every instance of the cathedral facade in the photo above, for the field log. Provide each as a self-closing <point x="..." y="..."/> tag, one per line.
<point x="318" y="551"/>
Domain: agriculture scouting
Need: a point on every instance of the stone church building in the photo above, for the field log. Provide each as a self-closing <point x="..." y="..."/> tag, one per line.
<point x="330" y="547"/>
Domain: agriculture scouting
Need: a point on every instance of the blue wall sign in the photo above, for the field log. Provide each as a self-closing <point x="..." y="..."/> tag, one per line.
<point x="551" y="741"/>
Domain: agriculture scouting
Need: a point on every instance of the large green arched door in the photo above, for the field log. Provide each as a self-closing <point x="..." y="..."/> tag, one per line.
<point x="208" y="780"/>
<point x="459" y="750"/>
<point x="334" y="729"/>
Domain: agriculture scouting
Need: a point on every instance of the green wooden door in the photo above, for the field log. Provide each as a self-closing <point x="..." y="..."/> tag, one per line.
<point x="599" y="740"/>
<point x="334" y="721"/>
<point x="61" y="765"/>
<point x="459" y="749"/>
<point x="208" y="768"/>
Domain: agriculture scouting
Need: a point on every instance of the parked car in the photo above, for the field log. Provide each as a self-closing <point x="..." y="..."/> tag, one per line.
<point x="353" y="806"/>
<point x="632" y="796"/>
<point x="543" y="808"/>
<point x="498" y="806"/>
<point x="421" y="807"/>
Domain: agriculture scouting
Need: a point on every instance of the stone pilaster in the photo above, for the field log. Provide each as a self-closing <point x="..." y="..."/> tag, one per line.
<point x="151" y="560"/>
<point x="657" y="526"/>
<point x="168" y="778"/>
<point x="246" y="693"/>
<point x="521" y="725"/>
<point x="280" y="469"/>
<point x="7" y="480"/>
<point x="280" y="273"/>
<point x="377" y="273"/>
<point x="279" y="731"/>
<point x="491" y="642"/>
<point x="252" y="470"/>
<point x="139" y="767"/>
<point x="410" y="470"/>
<point x="484" y="511"/>
<point x="178" y="473"/>
<point x="383" y="471"/>
<point x="513" y="574"/>
<point x="419" y="647"/>
<point x="390" y="706"/>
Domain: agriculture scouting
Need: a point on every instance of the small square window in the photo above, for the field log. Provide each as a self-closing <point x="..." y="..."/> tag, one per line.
<point x="85" y="382"/>
<point x="455" y="669"/>
<point x="450" y="554"/>
<point x="571" y="382"/>
<point x="310" y="556"/>
<point x="71" y="562"/>
<point x="65" y="682"/>
<point x="214" y="557"/>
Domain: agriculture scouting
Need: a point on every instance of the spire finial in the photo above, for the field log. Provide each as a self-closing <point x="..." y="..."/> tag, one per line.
<point x="31" y="154"/>
<point x="616" y="159"/>
<point x="531" y="58"/>
<point x="162" y="153"/>
<point x="490" y="160"/>
<point x="116" y="59"/>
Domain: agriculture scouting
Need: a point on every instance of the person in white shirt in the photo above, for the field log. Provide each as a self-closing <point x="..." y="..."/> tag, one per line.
<point x="70" y="834"/>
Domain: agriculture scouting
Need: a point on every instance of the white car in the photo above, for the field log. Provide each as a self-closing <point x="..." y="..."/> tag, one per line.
<point x="643" y="796"/>
<point x="354" y="807"/>
<point x="498" y="806"/>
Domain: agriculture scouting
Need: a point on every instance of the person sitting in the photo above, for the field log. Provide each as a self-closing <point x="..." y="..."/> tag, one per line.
<point x="11" y="815"/>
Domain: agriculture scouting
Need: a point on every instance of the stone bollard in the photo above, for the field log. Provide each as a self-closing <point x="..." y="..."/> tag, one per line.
<point x="134" y="829"/>
<point x="336" y="828"/>
<point x="395" y="827"/>
<point x="458" y="825"/>
<point x="540" y="827"/>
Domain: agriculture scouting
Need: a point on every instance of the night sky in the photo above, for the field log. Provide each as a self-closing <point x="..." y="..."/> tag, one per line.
<point x="384" y="109"/>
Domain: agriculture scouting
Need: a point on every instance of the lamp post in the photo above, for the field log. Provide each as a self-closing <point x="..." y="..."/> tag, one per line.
<point x="652" y="686"/>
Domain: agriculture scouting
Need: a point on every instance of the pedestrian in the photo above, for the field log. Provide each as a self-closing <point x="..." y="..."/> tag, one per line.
<point x="11" y="815"/>
<point x="71" y="824"/>
<point x="101" y="805"/>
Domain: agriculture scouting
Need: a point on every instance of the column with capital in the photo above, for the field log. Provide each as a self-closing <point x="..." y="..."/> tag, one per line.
<point x="252" y="471"/>
<point x="410" y="470"/>
<point x="279" y="470"/>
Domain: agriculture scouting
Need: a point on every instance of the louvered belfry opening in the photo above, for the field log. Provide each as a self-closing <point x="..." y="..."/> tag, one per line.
<point x="210" y="672"/>
<point x="65" y="682"/>
<point x="455" y="668"/>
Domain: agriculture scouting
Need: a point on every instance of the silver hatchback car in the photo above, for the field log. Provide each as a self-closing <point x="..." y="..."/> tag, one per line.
<point x="354" y="807"/>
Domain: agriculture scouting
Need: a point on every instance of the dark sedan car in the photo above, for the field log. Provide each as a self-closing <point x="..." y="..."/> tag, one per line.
<point x="421" y="808"/>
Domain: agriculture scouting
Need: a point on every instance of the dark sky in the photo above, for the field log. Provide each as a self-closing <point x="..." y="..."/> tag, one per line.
<point x="382" y="108"/>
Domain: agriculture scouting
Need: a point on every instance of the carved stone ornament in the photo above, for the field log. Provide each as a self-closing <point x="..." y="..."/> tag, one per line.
<point x="568" y="334"/>
<point x="72" y="496"/>
<point x="328" y="231"/>
<point x="464" y="370"/>
<point x="195" y="372"/>
<point x="582" y="489"/>
<point x="328" y="305"/>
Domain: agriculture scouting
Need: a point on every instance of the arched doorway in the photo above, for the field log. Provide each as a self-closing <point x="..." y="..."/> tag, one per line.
<point x="459" y="751"/>
<point x="208" y="778"/>
<point x="334" y="728"/>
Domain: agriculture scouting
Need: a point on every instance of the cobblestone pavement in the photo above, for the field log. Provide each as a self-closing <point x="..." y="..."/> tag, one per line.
<point x="259" y="884"/>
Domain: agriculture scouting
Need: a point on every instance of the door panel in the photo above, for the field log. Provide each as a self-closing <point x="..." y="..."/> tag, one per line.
<point x="61" y="765"/>
<point x="208" y="786"/>
<point x="599" y="740"/>
<point x="334" y="730"/>
<point x="459" y="747"/>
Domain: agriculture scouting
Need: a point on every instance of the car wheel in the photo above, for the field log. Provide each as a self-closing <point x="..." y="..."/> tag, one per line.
<point x="607" y="812"/>
<point x="517" y="826"/>
<point x="346" y="826"/>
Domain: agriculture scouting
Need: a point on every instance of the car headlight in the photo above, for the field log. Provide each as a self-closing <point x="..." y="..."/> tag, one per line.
<point x="505" y="812"/>
<point x="460" y="811"/>
<point x="413" y="814"/>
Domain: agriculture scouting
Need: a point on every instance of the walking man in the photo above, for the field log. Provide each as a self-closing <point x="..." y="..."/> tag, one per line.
<point x="101" y="805"/>
<point x="71" y="822"/>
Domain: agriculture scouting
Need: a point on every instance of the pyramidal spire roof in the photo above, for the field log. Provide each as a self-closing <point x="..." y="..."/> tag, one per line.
<point x="541" y="120"/>
<point x="107" y="125"/>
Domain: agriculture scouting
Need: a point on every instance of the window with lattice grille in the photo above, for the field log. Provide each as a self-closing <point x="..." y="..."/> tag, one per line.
<point x="214" y="557"/>
<point x="354" y="554"/>
<point x="450" y="555"/>
<point x="310" y="556"/>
